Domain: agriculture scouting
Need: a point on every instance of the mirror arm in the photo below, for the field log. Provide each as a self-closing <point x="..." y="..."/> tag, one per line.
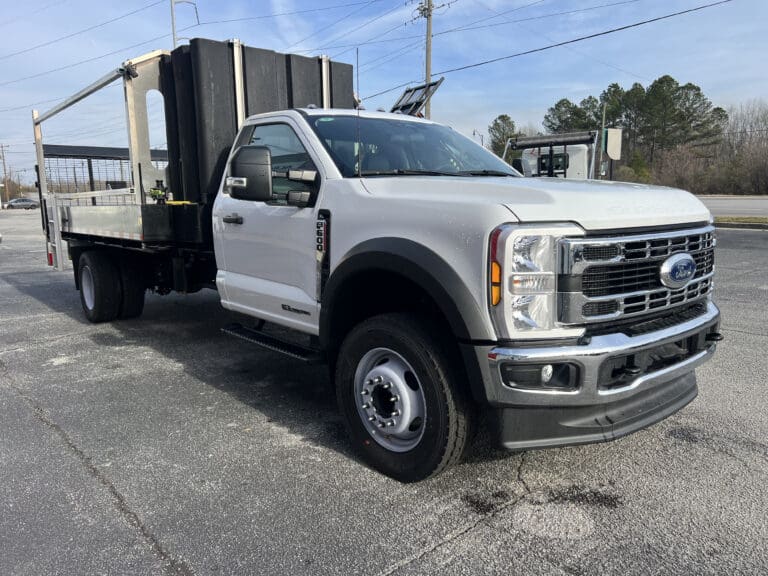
<point x="300" y="199"/>
<point x="297" y="175"/>
<point x="235" y="182"/>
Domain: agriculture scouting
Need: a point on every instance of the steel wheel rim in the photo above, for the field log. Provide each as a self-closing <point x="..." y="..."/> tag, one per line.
<point x="390" y="400"/>
<point x="86" y="287"/>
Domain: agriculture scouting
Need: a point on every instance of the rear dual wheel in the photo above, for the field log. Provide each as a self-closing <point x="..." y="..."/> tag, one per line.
<point x="109" y="288"/>
<point x="400" y="398"/>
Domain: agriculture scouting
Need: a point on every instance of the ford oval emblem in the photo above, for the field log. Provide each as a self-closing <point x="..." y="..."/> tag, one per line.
<point x="678" y="270"/>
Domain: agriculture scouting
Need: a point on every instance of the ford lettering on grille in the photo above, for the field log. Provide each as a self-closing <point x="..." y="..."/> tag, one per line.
<point x="677" y="270"/>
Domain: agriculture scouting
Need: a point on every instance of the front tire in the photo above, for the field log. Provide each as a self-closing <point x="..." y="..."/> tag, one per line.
<point x="100" y="292"/>
<point x="399" y="395"/>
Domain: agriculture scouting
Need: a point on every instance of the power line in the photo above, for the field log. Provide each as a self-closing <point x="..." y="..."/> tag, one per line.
<point x="26" y="106"/>
<point x="603" y="62"/>
<point x="80" y="62"/>
<point x="366" y="67"/>
<point x="469" y="26"/>
<point x="276" y="14"/>
<point x="564" y="43"/>
<point x="83" y="31"/>
<point x="315" y="33"/>
<point x="370" y="40"/>
<point x="157" y="38"/>
<point x="27" y="14"/>
<point x="59" y="99"/>
<point x="498" y="14"/>
<point x="363" y="25"/>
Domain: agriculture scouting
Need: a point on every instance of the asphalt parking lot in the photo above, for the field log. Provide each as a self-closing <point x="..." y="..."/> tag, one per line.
<point x="161" y="446"/>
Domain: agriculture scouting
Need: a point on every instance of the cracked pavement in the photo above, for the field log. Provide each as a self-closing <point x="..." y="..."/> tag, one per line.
<point x="161" y="446"/>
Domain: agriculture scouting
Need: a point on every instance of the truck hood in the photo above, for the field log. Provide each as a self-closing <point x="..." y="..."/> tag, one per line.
<point x="593" y="204"/>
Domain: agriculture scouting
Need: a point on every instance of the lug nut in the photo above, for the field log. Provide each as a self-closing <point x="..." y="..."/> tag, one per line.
<point x="396" y="398"/>
<point x="387" y="386"/>
<point x="366" y="406"/>
<point x="377" y="380"/>
<point x="396" y="413"/>
<point x="390" y="422"/>
<point x="368" y="382"/>
<point x="371" y="418"/>
<point x="381" y="424"/>
<point x="365" y="392"/>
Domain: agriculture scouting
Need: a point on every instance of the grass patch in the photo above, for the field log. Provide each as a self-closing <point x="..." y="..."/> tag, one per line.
<point x="741" y="219"/>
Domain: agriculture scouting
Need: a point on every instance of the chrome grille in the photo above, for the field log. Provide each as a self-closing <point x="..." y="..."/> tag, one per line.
<point x="634" y="275"/>
<point x="605" y="278"/>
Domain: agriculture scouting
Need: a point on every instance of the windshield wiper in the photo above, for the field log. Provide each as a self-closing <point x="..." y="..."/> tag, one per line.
<point x="486" y="173"/>
<point x="403" y="172"/>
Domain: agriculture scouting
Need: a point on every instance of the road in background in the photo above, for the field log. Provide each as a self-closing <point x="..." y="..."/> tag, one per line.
<point x="736" y="205"/>
<point x="160" y="446"/>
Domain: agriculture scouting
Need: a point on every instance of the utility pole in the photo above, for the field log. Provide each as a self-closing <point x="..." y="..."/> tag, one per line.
<point x="427" y="8"/>
<point x="5" y="194"/>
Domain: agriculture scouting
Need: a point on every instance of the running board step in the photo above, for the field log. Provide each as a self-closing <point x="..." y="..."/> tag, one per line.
<point x="296" y="351"/>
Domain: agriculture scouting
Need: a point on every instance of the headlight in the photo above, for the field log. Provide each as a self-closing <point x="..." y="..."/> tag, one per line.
<point x="522" y="269"/>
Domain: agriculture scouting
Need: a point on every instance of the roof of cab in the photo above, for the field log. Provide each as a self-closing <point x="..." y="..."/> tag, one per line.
<point x="309" y="112"/>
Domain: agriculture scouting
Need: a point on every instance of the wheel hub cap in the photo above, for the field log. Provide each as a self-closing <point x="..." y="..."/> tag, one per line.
<point x="390" y="399"/>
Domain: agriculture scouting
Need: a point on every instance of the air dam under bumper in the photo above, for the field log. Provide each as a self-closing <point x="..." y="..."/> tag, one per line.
<point x="596" y="410"/>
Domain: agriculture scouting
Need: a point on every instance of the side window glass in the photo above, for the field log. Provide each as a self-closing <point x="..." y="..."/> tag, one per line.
<point x="288" y="153"/>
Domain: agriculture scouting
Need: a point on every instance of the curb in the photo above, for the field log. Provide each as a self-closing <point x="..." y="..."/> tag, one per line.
<point x="742" y="225"/>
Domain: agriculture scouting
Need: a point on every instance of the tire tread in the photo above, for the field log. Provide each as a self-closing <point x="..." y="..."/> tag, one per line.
<point x="459" y="412"/>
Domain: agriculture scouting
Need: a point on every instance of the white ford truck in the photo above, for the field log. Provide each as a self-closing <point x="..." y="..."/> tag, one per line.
<point x="438" y="285"/>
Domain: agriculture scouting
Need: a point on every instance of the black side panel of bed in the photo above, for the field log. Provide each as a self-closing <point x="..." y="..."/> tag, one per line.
<point x="341" y="85"/>
<point x="201" y="117"/>
<point x="187" y="126"/>
<point x="214" y="88"/>
<point x="265" y="81"/>
<point x="304" y="81"/>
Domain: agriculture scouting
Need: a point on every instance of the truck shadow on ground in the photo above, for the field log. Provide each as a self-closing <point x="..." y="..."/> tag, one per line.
<point x="186" y="330"/>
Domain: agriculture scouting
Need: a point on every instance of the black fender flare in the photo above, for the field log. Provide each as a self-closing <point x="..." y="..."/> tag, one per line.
<point x="418" y="264"/>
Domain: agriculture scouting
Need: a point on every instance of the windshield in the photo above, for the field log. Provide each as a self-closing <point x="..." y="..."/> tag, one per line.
<point x="385" y="147"/>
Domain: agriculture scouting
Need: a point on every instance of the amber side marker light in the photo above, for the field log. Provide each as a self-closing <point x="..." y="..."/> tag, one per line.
<point x="495" y="283"/>
<point x="494" y="269"/>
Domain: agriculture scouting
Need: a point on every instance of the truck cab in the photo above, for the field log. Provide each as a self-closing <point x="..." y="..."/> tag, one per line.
<point x="425" y="268"/>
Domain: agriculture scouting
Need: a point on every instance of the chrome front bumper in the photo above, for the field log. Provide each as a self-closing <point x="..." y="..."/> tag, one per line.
<point x="589" y="358"/>
<point x="534" y="418"/>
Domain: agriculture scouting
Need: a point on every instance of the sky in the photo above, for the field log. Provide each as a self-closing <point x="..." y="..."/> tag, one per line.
<point x="49" y="49"/>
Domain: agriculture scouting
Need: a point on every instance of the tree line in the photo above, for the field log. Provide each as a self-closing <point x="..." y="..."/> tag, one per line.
<point x="672" y="135"/>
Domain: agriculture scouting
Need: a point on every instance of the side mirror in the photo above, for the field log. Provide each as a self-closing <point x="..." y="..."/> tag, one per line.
<point x="251" y="174"/>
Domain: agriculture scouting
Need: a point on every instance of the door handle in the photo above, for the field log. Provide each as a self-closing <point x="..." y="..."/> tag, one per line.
<point x="233" y="219"/>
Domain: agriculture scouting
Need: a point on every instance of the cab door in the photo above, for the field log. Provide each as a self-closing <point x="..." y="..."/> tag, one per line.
<point x="266" y="251"/>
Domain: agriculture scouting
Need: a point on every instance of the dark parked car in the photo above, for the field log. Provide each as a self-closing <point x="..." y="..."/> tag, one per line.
<point x="26" y="203"/>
